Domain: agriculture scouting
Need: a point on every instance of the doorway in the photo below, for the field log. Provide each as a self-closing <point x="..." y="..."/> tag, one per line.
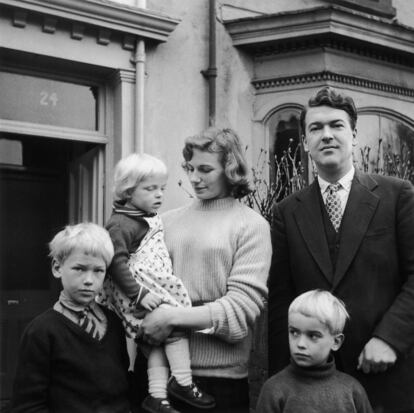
<point x="37" y="182"/>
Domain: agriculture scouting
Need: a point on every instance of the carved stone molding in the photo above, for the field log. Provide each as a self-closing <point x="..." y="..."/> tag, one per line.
<point x="356" y="31"/>
<point x="334" y="77"/>
<point x="19" y="18"/>
<point x="78" y="30"/>
<point x="128" y="42"/>
<point x="104" y="36"/>
<point x="102" y="14"/>
<point x="335" y="43"/>
<point x="122" y="76"/>
<point x="49" y="24"/>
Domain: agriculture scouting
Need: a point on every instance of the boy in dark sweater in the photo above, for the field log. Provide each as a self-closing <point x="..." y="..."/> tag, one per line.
<point x="311" y="382"/>
<point x="73" y="357"/>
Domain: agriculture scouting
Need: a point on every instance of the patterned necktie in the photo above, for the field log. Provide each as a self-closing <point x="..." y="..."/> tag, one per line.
<point x="333" y="205"/>
<point x="88" y="323"/>
<point x="91" y="318"/>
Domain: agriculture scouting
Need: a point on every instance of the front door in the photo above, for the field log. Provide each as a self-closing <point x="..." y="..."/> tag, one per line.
<point x="32" y="209"/>
<point x="35" y="204"/>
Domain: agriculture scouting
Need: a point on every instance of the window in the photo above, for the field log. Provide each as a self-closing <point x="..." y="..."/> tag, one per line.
<point x="47" y="101"/>
<point x="286" y="154"/>
<point x="385" y="145"/>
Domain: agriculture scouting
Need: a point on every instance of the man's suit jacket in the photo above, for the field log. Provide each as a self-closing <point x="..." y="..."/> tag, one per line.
<point x="374" y="276"/>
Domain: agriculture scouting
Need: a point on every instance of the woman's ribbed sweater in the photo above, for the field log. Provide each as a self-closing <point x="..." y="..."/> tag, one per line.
<point x="221" y="249"/>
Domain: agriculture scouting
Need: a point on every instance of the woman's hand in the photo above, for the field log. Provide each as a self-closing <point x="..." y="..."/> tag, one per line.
<point x="157" y="326"/>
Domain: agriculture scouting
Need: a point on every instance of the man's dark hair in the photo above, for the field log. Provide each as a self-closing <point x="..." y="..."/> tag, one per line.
<point x="328" y="96"/>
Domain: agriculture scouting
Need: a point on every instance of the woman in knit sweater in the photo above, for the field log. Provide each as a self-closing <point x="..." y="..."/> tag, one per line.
<point x="221" y="250"/>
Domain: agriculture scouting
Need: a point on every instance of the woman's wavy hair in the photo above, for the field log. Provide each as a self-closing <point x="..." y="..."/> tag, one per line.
<point x="226" y="143"/>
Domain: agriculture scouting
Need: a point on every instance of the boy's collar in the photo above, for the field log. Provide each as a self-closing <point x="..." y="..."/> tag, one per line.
<point x="68" y="303"/>
<point x="320" y="371"/>
<point x="121" y="208"/>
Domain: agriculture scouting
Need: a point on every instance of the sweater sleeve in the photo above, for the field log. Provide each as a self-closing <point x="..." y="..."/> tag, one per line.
<point x="361" y="401"/>
<point x="281" y="292"/>
<point x="270" y="399"/>
<point x="396" y="326"/>
<point x="125" y="238"/>
<point x="31" y="384"/>
<point x="237" y="310"/>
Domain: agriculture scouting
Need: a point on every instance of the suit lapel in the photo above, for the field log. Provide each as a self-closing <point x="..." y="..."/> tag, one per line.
<point x="309" y="220"/>
<point x="359" y="211"/>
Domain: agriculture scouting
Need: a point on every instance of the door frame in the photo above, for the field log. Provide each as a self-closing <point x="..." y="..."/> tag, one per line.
<point x="97" y="165"/>
<point x="102" y="136"/>
<point x="86" y="187"/>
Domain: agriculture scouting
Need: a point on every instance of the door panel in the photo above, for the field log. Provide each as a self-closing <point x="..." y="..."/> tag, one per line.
<point x="33" y="209"/>
<point x="60" y="182"/>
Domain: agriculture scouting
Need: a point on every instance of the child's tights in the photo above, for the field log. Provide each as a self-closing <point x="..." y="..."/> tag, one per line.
<point x="176" y="355"/>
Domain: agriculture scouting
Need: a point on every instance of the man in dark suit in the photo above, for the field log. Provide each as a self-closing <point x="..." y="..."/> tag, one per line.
<point x="352" y="234"/>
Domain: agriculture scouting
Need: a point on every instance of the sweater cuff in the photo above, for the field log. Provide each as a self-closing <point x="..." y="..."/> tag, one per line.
<point x="215" y="310"/>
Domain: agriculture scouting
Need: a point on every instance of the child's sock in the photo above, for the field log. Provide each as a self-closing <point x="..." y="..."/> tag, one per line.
<point x="178" y="355"/>
<point x="157" y="382"/>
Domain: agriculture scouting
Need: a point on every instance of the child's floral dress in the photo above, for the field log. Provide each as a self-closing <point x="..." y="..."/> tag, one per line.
<point x="151" y="267"/>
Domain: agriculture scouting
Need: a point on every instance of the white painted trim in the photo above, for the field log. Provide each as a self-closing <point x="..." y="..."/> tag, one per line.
<point x="57" y="132"/>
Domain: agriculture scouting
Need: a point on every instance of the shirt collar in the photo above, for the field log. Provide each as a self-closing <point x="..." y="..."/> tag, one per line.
<point x="120" y="208"/>
<point x="345" y="181"/>
<point x="68" y="303"/>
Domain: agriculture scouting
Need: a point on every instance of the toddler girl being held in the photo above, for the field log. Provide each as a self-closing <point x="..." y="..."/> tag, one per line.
<point x="140" y="279"/>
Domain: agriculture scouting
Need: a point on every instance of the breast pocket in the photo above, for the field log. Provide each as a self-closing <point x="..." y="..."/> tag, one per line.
<point x="378" y="232"/>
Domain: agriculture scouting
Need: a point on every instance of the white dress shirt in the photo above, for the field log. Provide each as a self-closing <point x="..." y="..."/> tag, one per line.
<point x="343" y="191"/>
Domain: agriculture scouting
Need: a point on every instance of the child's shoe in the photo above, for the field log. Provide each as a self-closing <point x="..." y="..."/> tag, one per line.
<point x="191" y="395"/>
<point x="155" y="405"/>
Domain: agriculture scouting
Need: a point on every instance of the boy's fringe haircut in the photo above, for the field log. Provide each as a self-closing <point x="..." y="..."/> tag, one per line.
<point x="324" y="306"/>
<point x="88" y="237"/>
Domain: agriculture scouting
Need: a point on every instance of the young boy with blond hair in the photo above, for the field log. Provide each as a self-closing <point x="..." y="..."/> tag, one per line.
<point x="311" y="382"/>
<point x="73" y="357"/>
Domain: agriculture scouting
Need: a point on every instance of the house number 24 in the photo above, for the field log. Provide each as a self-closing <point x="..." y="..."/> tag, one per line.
<point x="47" y="98"/>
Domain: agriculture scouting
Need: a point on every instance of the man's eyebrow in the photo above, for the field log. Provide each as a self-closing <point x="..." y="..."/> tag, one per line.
<point x="315" y="122"/>
<point x="319" y="122"/>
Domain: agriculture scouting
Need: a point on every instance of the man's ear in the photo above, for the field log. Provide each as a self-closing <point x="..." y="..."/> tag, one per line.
<point x="56" y="268"/>
<point x="354" y="137"/>
<point x="305" y="143"/>
<point x="338" y="340"/>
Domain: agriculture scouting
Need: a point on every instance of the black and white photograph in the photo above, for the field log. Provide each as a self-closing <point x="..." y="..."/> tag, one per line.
<point x="207" y="206"/>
